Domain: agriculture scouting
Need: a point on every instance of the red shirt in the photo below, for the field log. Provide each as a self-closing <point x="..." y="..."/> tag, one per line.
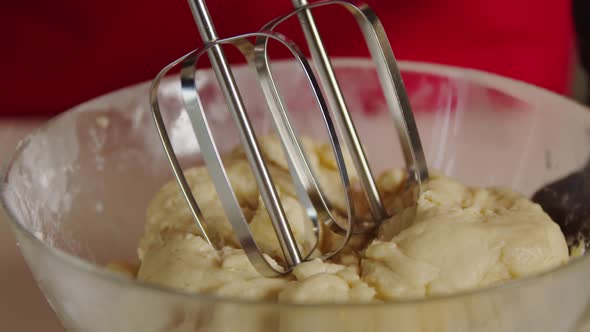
<point x="63" y="52"/>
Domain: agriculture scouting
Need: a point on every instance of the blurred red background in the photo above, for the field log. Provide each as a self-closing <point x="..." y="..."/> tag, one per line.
<point x="62" y="52"/>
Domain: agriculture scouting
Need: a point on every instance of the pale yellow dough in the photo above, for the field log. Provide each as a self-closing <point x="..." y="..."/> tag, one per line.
<point x="455" y="238"/>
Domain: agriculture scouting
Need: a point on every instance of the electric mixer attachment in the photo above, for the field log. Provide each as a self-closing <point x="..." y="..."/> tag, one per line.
<point x="254" y="47"/>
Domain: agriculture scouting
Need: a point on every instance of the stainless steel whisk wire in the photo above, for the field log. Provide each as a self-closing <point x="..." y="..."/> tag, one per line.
<point x="307" y="187"/>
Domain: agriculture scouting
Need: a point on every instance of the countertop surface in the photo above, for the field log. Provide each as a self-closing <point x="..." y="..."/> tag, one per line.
<point x="22" y="306"/>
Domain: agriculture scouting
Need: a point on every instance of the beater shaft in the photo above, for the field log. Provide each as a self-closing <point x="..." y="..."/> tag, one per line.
<point x="340" y="110"/>
<point x="229" y="88"/>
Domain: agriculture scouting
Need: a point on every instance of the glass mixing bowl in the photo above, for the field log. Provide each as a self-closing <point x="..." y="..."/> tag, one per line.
<point x="76" y="192"/>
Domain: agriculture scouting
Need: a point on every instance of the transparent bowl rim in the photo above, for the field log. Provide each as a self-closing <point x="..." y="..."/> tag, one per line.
<point x="515" y="88"/>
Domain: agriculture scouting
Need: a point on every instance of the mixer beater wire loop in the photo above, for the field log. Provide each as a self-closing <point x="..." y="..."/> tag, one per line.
<point x="305" y="182"/>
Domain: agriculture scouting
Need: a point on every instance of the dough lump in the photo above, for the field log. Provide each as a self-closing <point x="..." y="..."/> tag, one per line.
<point x="455" y="238"/>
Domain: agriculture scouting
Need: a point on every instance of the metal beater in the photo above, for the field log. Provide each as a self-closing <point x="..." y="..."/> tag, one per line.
<point x="254" y="48"/>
